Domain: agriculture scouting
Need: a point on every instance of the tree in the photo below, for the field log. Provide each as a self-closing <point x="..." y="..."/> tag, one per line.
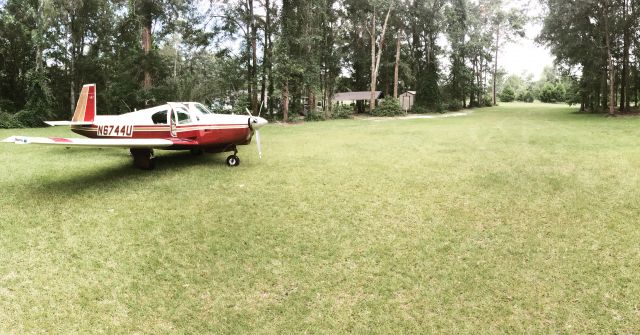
<point x="376" y="55"/>
<point x="594" y="41"/>
<point x="426" y="27"/>
<point x="548" y="93"/>
<point x="506" y="25"/>
<point x="457" y="30"/>
<point x="507" y="94"/>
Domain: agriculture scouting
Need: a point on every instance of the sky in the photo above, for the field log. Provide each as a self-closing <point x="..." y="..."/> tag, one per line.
<point x="525" y="55"/>
<point x="518" y="57"/>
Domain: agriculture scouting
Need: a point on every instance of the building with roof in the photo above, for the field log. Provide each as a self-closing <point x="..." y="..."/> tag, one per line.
<point x="359" y="99"/>
<point x="407" y="99"/>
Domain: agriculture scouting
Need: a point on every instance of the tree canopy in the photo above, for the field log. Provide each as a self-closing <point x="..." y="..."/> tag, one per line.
<point x="290" y="57"/>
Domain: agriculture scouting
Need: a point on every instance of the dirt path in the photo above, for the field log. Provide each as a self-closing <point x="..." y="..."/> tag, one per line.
<point x="415" y="116"/>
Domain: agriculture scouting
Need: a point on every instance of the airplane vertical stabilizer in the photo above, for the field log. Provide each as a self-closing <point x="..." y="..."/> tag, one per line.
<point x="86" y="107"/>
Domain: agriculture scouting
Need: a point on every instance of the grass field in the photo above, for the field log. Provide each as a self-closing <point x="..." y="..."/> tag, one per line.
<point x="515" y="219"/>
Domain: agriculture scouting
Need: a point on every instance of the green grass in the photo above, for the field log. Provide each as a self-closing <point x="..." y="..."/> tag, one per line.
<point x="516" y="219"/>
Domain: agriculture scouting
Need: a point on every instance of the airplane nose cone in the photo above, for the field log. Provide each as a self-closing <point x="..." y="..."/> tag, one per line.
<point x="257" y="122"/>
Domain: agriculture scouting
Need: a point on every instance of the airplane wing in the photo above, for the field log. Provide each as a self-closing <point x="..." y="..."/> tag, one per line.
<point x="150" y="143"/>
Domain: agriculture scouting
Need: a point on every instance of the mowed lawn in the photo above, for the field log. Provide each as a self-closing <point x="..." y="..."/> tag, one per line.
<point x="515" y="219"/>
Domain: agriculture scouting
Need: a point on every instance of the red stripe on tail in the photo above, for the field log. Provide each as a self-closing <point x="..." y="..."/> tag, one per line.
<point x="90" y="111"/>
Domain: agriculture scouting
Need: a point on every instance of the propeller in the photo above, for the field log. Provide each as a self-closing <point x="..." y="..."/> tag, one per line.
<point x="255" y="123"/>
<point x="261" y="104"/>
<point x="258" y="144"/>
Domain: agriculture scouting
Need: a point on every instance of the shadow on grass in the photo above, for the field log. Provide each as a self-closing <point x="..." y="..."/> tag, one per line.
<point x="84" y="181"/>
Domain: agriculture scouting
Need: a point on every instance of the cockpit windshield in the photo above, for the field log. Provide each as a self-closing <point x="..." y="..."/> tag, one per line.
<point x="202" y="109"/>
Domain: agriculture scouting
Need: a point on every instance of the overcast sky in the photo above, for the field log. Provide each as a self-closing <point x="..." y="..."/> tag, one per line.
<point x="525" y="55"/>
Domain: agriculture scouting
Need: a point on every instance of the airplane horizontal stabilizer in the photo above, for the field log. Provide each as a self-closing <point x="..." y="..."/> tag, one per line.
<point x="150" y="143"/>
<point x="68" y="123"/>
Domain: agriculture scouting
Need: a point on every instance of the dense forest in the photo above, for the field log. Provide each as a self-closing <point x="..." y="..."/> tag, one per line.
<point x="596" y="43"/>
<point x="288" y="57"/>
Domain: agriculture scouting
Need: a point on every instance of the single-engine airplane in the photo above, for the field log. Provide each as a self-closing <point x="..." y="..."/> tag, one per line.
<point x="172" y="126"/>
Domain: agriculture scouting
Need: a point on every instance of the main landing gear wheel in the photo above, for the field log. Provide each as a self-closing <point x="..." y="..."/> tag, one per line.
<point x="233" y="160"/>
<point x="143" y="159"/>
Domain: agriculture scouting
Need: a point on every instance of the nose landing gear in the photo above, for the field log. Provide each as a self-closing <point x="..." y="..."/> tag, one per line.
<point x="233" y="160"/>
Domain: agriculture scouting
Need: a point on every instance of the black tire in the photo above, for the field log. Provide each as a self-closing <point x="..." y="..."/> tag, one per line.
<point x="143" y="159"/>
<point x="233" y="160"/>
<point x="152" y="164"/>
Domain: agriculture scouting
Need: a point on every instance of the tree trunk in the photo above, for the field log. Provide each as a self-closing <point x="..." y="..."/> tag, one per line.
<point x="376" y="59"/>
<point x="252" y="56"/>
<point x="72" y="89"/>
<point x="612" y="108"/>
<point x="72" y="67"/>
<point x="495" y="64"/>
<point x="624" y="82"/>
<point x="396" y="68"/>
<point x="39" y="32"/>
<point x="146" y="46"/>
<point x="373" y="61"/>
<point x="311" y="102"/>
<point x="635" y="87"/>
<point x="285" y="101"/>
<point x="270" y="63"/>
<point x="254" y="66"/>
<point x="266" y="57"/>
<point x="474" y="79"/>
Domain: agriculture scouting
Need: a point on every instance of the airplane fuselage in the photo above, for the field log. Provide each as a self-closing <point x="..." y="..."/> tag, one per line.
<point x="188" y="126"/>
<point x="172" y="126"/>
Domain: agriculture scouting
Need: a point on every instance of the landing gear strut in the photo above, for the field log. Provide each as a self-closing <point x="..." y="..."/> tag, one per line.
<point x="143" y="158"/>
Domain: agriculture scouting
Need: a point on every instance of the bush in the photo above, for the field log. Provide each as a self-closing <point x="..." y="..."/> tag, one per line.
<point x="560" y="92"/>
<point x="487" y="101"/>
<point x="439" y="108"/>
<point x="342" y="112"/>
<point x="507" y="94"/>
<point x="315" y="116"/>
<point x="7" y="106"/>
<point x="454" y="106"/>
<point x="8" y="121"/>
<point x="548" y="93"/>
<point x="29" y="118"/>
<point x="419" y="109"/>
<point x="241" y="104"/>
<point x="388" y="107"/>
<point x="525" y="95"/>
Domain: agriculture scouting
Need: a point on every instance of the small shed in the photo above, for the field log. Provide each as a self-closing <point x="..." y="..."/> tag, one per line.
<point x="407" y="99"/>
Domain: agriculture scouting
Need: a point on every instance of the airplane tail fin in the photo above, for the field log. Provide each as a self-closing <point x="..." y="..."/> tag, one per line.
<point x="86" y="107"/>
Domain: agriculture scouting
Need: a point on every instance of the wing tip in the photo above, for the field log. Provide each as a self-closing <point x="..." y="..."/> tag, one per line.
<point x="16" y="140"/>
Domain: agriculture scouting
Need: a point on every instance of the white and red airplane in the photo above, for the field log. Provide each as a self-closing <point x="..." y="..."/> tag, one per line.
<point x="173" y="126"/>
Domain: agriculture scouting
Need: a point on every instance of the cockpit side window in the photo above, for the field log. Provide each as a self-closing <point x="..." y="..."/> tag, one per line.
<point x="202" y="109"/>
<point x="159" y="117"/>
<point x="183" y="115"/>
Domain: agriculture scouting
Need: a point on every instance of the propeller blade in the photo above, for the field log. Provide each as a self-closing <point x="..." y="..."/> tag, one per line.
<point x="248" y="111"/>
<point x="258" y="144"/>
<point x="261" y="104"/>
